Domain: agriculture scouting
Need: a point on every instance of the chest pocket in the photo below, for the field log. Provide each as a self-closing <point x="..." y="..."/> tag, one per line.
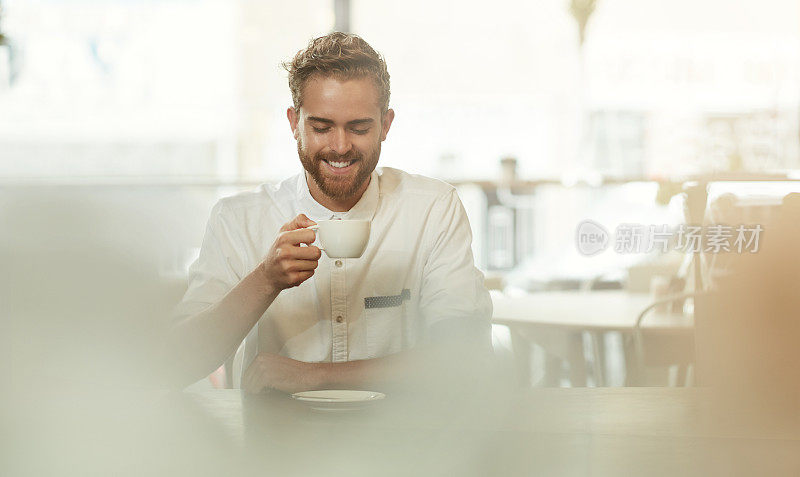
<point x="387" y="323"/>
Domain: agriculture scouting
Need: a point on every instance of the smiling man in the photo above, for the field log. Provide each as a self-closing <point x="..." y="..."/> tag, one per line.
<point x="412" y="301"/>
<point x="339" y="129"/>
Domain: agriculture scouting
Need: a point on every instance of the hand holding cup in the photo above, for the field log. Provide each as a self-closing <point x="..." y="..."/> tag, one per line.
<point x="288" y="263"/>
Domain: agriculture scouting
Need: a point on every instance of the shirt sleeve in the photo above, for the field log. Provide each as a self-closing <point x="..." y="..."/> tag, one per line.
<point x="217" y="269"/>
<point x="452" y="288"/>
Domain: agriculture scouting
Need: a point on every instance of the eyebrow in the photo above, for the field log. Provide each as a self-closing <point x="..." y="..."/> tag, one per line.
<point x="351" y="123"/>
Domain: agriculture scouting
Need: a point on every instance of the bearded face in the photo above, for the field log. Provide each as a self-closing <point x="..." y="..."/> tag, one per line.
<point x="339" y="129"/>
<point x="340" y="176"/>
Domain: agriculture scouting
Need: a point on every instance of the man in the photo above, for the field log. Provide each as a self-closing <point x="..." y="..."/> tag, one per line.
<point x="315" y="322"/>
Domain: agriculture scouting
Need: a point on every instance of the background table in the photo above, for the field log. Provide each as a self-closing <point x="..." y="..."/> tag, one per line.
<point x="557" y="320"/>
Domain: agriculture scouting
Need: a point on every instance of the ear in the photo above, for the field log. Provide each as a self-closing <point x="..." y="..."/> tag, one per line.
<point x="293" y="117"/>
<point x="386" y="123"/>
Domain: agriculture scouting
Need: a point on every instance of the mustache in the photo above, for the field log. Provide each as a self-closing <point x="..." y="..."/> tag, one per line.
<point x="331" y="156"/>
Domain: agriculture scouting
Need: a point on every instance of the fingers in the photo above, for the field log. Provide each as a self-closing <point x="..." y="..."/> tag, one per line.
<point x="296" y="278"/>
<point x="296" y="237"/>
<point x="291" y="266"/>
<point x="301" y="266"/>
<point x="307" y="253"/>
<point x="297" y="258"/>
<point x="289" y="263"/>
<point x="299" y="222"/>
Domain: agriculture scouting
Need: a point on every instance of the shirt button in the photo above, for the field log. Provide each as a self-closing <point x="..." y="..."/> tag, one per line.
<point x="339" y="263"/>
<point x="339" y="319"/>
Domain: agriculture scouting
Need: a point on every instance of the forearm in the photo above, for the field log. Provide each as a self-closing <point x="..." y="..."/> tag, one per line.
<point x="426" y="366"/>
<point x="376" y="372"/>
<point x="200" y="343"/>
<point x="456" y="350"/>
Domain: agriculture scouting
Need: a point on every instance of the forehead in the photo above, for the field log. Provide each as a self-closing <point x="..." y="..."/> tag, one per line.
<point x="340" y="100"/>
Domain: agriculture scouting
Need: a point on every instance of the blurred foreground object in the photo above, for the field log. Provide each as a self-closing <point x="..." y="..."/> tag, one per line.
<point x="748" y="329"/>
<point x="80" y="289"/>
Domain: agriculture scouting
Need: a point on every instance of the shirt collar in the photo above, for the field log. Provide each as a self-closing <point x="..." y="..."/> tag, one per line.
<point x="363" y="210"/>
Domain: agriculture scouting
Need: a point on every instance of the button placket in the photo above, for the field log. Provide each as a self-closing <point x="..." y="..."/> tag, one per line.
<point x="339" y="312"/>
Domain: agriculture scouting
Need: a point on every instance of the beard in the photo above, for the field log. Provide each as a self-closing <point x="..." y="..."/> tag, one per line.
<point x="345" y="186"/>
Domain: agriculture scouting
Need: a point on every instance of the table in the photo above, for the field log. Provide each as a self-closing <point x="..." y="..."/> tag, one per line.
<point x="557" y="320"/>
<point x="555" y="431"/>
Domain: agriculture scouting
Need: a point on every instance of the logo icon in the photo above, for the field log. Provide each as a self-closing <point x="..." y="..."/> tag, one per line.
<point x="591" y="238"/>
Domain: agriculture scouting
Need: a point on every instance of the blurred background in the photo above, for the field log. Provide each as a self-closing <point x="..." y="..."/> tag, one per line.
<point x="543" y="113"/>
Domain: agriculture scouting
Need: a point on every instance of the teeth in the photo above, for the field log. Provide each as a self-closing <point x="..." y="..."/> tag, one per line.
<point x="339" y="165"/>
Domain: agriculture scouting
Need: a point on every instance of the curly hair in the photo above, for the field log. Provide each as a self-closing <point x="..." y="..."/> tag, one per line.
<point x="342" y="56"/>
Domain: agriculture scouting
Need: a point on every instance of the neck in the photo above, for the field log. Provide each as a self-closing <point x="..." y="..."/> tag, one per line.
<point x="335" y="205"/>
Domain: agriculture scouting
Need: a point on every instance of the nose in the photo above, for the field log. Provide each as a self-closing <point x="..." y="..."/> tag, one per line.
<point x="340" y="143"/>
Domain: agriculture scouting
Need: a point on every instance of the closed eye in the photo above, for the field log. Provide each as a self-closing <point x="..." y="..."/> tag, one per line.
<point x="361" y="131"/>
<point x="322" y="130"/>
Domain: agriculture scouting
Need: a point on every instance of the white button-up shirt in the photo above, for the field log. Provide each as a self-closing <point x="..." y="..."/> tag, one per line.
<point x="417" y="269"/>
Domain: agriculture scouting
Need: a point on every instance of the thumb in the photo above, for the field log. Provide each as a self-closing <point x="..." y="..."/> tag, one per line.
<point x="299" y="222"/>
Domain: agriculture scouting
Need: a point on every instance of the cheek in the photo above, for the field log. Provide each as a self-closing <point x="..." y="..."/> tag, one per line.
<point x="308" y="144"/>
<point x="367" y="144"/>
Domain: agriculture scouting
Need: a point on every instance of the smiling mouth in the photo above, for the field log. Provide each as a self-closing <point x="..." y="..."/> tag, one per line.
<point x="340" y="166"/>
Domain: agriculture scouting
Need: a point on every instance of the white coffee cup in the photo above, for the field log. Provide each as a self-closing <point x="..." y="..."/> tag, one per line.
<point x="342" y="238"/>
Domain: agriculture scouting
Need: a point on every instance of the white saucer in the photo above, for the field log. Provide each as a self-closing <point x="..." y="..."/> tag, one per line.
<point x="338" y="399"/>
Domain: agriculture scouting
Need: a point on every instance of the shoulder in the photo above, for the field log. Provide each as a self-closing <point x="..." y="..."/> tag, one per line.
<point x="395" y="182"/>
<point x="267" y="197"/>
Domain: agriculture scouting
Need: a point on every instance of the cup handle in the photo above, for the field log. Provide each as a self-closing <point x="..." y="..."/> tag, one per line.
<point x="314" y="228"/>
